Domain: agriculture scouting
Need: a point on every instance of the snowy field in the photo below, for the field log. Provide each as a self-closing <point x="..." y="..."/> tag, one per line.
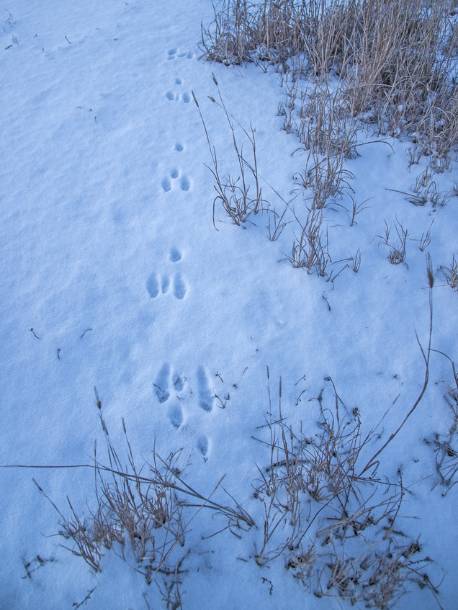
<point x="116" y="287"/>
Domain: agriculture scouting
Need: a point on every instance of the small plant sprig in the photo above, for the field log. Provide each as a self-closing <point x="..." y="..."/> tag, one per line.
<point x="240" y="195"/>
<point x="396" y="246"/>
<point x="450" y="273"/>
<point x="445" y="446"/>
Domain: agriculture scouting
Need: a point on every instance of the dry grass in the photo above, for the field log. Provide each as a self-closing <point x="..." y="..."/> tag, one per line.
<point x="325" y="124"/>
<point x="329" y="510"/>
<point x="450" y="273"/>
<point x="394" y="59"/>
<point x="145" y="516"/>
<point x="425" y="239"/>
<point x="445" y="446"/>
<point x="357" y="208"/>
<point x="348" y="67"/>
<point x="241" y="195"/>
<point x="395" y="243"/>
<point x="356" y="262"/>
<point x="334" y="521"/>
<point x="325" y="179"/>
<point x="425" y="190"/>
<point x="310" y="249"/>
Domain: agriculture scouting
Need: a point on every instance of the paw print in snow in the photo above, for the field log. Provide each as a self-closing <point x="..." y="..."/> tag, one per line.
<point x="168" y="182"/>
<point x="158" y="284"/>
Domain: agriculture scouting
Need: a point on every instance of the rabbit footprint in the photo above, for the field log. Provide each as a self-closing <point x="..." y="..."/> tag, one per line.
<point x="157" y="285"/>
<point x="168" y="182"/>
<point x="203" y="445"/>
<point x="175" y="415"/>
<point x="205" y="393"/>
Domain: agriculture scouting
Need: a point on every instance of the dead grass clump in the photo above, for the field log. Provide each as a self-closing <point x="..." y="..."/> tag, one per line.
<point x="310" y="249"/>
<point x="228" y="39"/>
<point x="445" y="446"/>
<point x="144" y="515"/>
<point x="131" y="516"/>
<point x="324" y="179"/>
<point x="335" y="522"/>
<point x="330" y="511"/>
<point x="241" y="195"/>
<point x="246" y="30"/>
<point x="326" y="125"/>
<point x="425" y="190"/>
<point x="394" y="59"/>
<point x="396" y="244"/>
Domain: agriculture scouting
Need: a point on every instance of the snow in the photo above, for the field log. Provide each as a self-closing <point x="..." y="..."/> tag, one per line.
<point x="113" y="276"/>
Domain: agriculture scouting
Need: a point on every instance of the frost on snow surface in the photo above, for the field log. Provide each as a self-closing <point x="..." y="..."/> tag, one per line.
<point x="113" y="277"/>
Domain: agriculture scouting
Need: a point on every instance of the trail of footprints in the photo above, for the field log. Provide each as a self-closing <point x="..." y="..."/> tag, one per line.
<point x="160" y="284"/>
<point x="171" y="389"/>
<point x="174" y="176"/>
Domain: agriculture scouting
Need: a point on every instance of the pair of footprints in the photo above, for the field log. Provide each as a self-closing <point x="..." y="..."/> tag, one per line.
<point x="161" y="284"/>
<point x="168" y="182"/>
<point x="178" y="96"/>
<point x="170" y="389"/>
<point x="176" y="53"/>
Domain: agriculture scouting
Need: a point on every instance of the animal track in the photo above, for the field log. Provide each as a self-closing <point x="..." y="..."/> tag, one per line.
<point x="178" y="383"/>
<point x="175" y="255"/>
<point x="161" y="284"/>
<point x="179" y="147"/>
<point x="175" y="415"/>
<point x="203" y="445"/>
<point x="167" y="383"/>
<point x="161" y="385"/>
<point x="185" y="183"/>
<point x="175" y="52"/>
<point x="173" y="388"/>
<point x="165" y="283"/>
<point x="176" y="96"/>
<point x="167" y="182"/>
<point x="152" y="286"/>
<point x="205" y="394"/>
<point x="179" y="286"/>
<point x="173" y="96"/>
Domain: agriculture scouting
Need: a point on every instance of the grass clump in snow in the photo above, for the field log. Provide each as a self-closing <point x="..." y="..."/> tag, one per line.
<point x="445" y="445"/>
<point x="397" y="244"/>
<point x="450" y="273"/>
<point x="347" y="66"/>
<point x="240" y="196"/>
<point x="144" y="516"/>
<point x="394" y="59"/>
<point x="331" y="515"/>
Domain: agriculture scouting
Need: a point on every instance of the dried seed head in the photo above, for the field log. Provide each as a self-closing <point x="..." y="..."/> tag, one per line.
<point x="429" y="270"/>
<point x="195" y="99"/>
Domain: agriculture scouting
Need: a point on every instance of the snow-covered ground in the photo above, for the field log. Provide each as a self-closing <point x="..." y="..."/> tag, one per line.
<point x="113" y="276"/>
